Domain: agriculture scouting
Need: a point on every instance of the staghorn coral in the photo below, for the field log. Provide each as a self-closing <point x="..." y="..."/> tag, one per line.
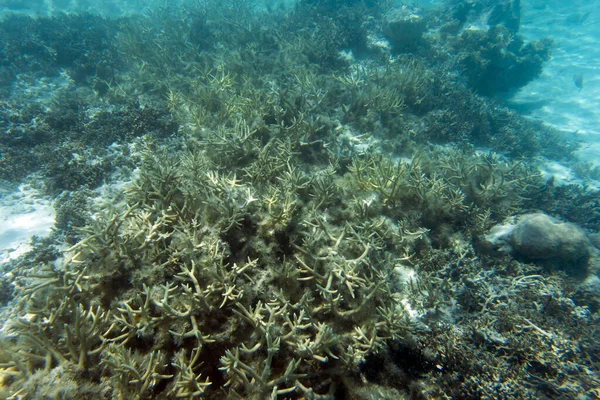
<point x="205" y="282"/>
<point x="447" y="185"/>
<point x="203" y="289"/>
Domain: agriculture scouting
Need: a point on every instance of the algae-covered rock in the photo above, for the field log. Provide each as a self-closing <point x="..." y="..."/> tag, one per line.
<point x="404" y="30"/>
<point x="540" y="237"/>
<point x="588" y="293"/>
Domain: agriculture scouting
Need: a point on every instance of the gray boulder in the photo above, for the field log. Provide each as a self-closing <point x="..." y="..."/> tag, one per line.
<point x="541" y="237"/>
<point x="404" y="30"/>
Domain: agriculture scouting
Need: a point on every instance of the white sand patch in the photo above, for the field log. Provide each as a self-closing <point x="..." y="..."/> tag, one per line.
<point x="562" y="175"/>
<point x="23" y="214"/>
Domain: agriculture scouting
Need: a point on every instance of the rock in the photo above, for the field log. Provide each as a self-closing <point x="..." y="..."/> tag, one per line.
<point x="541" y="237"/>
<point x="595" y="239"/>
<point x="404" y="30"/>
<point x="588" y="294"/>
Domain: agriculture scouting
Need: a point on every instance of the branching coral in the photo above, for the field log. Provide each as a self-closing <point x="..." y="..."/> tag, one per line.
<point x="447" y="183"/>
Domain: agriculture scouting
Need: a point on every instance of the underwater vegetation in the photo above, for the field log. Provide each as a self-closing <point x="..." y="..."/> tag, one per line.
<point x="306" y="214"/>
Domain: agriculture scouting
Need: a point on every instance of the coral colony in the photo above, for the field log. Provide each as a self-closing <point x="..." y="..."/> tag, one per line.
<point x="328" y="201"/>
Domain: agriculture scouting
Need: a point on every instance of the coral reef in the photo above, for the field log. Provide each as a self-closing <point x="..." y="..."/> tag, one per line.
<point x="497" y="62"/>
<point x="483" y="37"/>
<point x="297" y="222"/>
<point x="81" y="44"/>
